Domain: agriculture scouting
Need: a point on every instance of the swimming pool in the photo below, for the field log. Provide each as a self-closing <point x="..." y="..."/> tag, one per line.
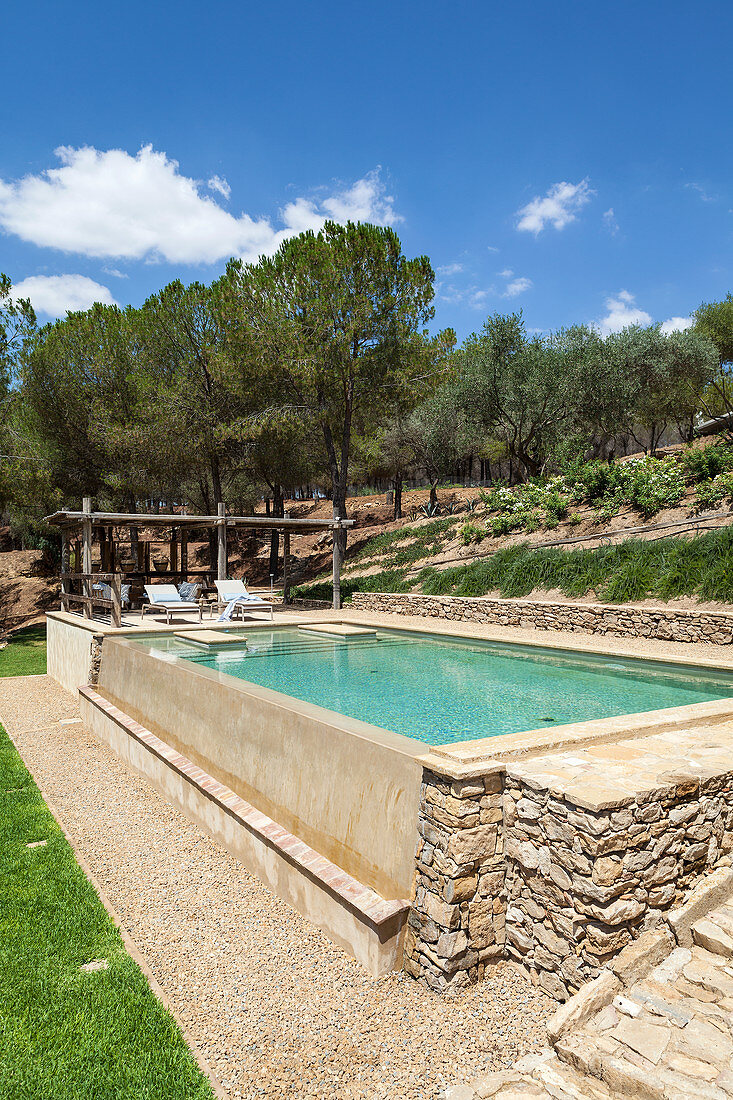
<point x="438" y="689"/>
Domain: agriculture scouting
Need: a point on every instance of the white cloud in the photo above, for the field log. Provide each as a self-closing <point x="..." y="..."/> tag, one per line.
<point x="476" y="298"/>
<point x="676" y="324"/>
<point x="506" y="273"/>
<point x="490" y="248"/>
<point x="702" y="192"/>
<point x="473" y="296"/>
<point x="220" y="185"/>
<point x="622" y="312"/>
<point x="517" y="287"/>
<point x="113" y="205"/>
<point x="609" y="221"/>
<point x="558" y="207"/>
<point x="116" y="272"/>
<point x="364" y="201"/>
<point x="55" y="295"/>
<point x="450" y="269"/>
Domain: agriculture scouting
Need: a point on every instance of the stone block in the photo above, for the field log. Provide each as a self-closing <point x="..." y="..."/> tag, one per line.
<point x="607" y="870"/>
<point x="590" y="998"/>
<point x="474" y="844"/>
<point x="446" y="915"/>
<point x="618" y="912"/>
<point x="642" y="955"/>
<point x="459" y="889"/>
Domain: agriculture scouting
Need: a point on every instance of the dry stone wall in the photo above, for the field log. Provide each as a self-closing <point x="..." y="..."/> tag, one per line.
<point x="456" y="924"/>
<point x="583" y="884"/>
<point x="624" y="621"/>
<point x="506" y="868"/>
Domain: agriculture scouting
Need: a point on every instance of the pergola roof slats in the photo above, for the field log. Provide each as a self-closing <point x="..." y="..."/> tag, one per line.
<point x="143" y="519"/>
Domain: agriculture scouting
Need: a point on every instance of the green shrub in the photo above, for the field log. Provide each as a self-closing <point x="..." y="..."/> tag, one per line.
<point x="710" y="494"/>
<point x="705" y="463"/>
<point x="501" y="525"/>
<point x="471" y="532"/>
<point x="634" y="569"/>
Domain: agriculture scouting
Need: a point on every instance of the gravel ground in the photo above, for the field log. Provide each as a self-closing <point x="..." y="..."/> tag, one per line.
<point x="276" y="1008"/>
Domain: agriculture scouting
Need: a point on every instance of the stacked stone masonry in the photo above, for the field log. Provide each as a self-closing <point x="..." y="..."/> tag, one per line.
<point x="456" y="924"/>
<point x="583" y="884"/>
<point x="628" y="622"/>
<point x="505" y="868"/>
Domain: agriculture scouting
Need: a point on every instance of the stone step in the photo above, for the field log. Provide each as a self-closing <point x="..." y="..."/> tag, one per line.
<point x="714" y="932"/>
<point x="535" y="1077"/>
<point x="666" y="1038"/>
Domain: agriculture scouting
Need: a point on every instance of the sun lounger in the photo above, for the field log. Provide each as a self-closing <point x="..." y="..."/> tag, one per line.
<point x="165" y="598"/>
<point x="235" y="600"/>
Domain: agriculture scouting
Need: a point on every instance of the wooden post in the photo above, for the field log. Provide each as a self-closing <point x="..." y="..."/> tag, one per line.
<point x="184" y="554"/>
<point x="174" y="551"/>
<point x="336" y="571"/>
<point x="286" y="560"/>
<point x="221" y="570"/>
<point x="64" y="550"/>
<point x="86" y="534"/>
<point x="116" y="587"/>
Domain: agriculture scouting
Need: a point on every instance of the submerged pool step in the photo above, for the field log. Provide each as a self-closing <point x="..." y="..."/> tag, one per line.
<point x="339" y="630"/>
<point x="209" y="637"/>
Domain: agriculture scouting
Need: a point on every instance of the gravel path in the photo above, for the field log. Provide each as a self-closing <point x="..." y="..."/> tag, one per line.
<point x="276" y="1008"/>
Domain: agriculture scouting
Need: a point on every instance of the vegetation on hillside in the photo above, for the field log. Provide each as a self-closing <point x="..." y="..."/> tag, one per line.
<point x="634" y="569"/>
<point x="313" y="368"/>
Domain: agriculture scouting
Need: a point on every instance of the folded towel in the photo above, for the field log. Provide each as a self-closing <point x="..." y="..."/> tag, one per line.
<point x="229" y="609"/>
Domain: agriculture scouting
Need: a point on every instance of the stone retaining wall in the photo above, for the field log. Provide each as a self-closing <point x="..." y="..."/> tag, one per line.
<point x="661" y="623"/>
<point x="504" y="868"/>
<point x="456" y="924"/>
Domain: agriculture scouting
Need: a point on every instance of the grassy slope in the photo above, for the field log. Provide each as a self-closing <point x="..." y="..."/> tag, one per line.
<point x="26" y="653"/>
<point x="65" y="1033"/>
<point x="631" y="570"/>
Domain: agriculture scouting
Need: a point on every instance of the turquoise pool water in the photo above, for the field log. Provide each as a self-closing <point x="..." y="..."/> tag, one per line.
<point x="439" y="690"/>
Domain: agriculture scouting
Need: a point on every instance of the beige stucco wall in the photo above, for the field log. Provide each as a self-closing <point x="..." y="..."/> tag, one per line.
<point x="69" y="651"/>
<point x="348" y="790"/>
<point x="379" y="950"/>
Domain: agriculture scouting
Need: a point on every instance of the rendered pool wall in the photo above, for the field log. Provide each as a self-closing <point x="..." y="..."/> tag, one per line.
<point x="350" y="793"/>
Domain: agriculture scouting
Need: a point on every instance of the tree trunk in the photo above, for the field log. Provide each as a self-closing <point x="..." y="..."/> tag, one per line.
<point x="397" y="486"/>
<point x="130" y="507"/>
<point x="434" y="493"/>
<point x="216" y="479"/>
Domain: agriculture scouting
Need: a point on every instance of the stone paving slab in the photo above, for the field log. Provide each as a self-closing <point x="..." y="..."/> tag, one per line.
<point x="607" y="775"/>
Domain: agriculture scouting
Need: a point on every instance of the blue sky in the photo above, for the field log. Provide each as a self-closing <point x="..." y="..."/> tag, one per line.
<point x="572" y="159"/>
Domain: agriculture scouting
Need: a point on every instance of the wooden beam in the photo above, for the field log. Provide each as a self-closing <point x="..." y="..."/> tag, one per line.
<point x="86" y="560"/>
<point x="336" y="573"/>
<point x="268" y="523"/>
<point x="221" y="567"/>
<point x="286" y="565"/>
<point x="184" y="552"/>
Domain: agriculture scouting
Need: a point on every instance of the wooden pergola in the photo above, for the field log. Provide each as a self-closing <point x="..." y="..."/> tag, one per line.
<point x="179" y="526"/>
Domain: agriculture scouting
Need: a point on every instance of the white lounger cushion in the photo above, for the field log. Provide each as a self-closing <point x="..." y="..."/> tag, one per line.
<point x="163" y="593"/>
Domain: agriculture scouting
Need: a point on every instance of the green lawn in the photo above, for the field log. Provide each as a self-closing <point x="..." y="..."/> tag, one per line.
<point x="25" y="655"/>
<point x="67" y="1034"/>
